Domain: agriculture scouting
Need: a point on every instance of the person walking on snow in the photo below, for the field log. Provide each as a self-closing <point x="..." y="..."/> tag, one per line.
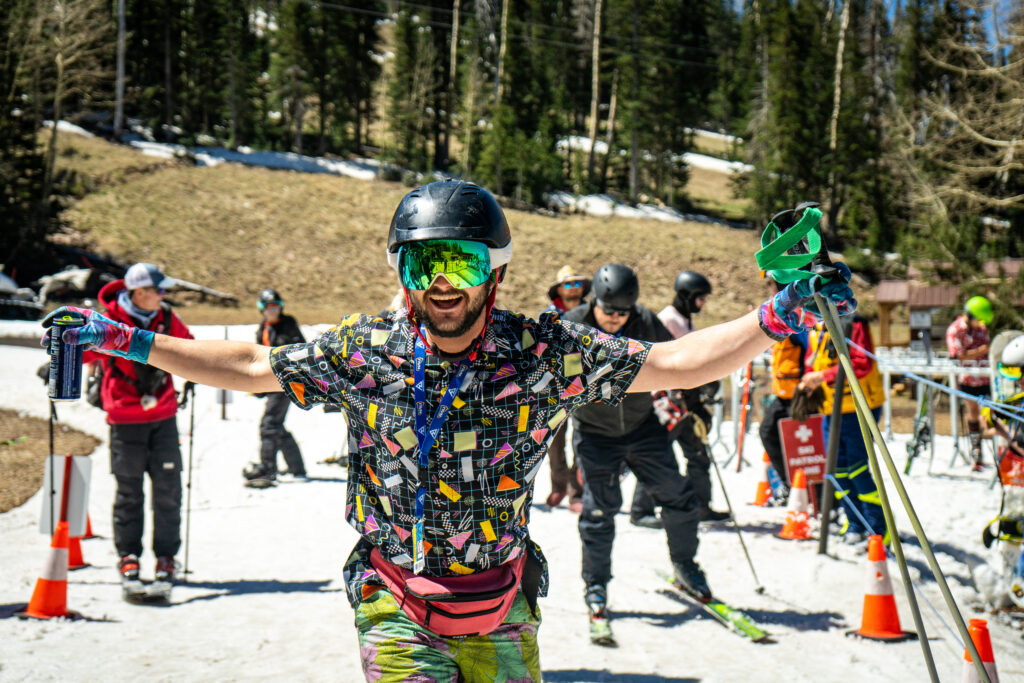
<point x="607" y="438"/>
<point x="967" y="340"/>
<point x="141" y="404"/>
<point x="852" y="471"/>
<point x="692" y="292"/>
<point x="451" y="403"/>
<point x="568" y="291"/>
<point x="275" y="329"/>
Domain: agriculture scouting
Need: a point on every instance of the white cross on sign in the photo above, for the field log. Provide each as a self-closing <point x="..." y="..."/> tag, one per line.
<point x="803" y="433"/>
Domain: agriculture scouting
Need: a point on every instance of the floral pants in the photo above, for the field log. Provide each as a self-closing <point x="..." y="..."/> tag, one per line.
<point x="394" y="648"/>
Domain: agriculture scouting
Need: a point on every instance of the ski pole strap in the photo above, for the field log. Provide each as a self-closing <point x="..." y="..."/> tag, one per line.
<point x="774" y="256"/>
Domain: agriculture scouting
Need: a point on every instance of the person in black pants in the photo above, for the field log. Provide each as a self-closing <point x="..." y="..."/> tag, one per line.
<point x="276" y="329"/>
<point x="606" y="439"/>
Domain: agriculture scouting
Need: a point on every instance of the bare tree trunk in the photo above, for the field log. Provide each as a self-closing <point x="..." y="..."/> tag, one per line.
<point x="119" y="86"/>
<point x="500" y="85"/>
<point x="453" y="74"/>
<point x="168" y="83"/>
<point x="634" y="138"/>
<point x="472" y="87"/>
<point x="833" y="142"/>
<point x="595" y="87"/>
<point x="609" y="136"/>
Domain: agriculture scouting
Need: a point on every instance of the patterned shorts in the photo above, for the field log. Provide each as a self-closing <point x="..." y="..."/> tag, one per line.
<point x="394" y="648"/>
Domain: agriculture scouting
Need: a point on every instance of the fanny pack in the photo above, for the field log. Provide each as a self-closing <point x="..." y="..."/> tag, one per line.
<point x="454" y="605"/>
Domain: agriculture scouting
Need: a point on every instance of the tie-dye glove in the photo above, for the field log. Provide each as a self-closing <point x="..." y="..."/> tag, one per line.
<point x="794" y="309"/>
<point x="102" y="334"/>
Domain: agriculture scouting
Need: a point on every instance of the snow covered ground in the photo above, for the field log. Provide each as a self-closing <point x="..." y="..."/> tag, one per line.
<point x="265" y="599"/>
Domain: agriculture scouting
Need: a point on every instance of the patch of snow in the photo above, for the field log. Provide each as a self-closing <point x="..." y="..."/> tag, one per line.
<point x="65" y="127"/>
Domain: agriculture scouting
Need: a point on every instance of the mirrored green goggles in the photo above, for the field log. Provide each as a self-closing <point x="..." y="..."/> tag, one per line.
<point x="463" y="263"/>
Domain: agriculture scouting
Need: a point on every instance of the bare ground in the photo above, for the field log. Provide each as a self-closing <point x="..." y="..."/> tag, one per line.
<point x="24" y="444"/>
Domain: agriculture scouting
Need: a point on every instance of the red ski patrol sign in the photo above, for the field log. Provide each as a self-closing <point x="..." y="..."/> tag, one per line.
<point x="803" y="444"/>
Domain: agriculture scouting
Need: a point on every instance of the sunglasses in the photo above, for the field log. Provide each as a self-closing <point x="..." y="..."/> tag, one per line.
<point x="573" y="285"/>
<point x="464" y="263"/>
<point x="615" y="311"/>
<point x="158" y="290"/>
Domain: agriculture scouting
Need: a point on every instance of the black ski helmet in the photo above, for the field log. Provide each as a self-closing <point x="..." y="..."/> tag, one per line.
<point x="269" y="296"/>
<point x="689" y="287"/>
<point x="616" y="287"/>
<point x="454" y="210"/>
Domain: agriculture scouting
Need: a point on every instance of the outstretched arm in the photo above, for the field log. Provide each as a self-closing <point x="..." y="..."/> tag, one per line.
<point x="712" y="353"/>
<point x="702" y="356"/>
<point x="226" y="364"/>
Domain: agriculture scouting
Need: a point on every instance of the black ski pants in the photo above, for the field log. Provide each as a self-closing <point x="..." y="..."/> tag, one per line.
<point x="136" y="450"/>
<point x="274" y="437"/>
<point x="698" y="472"/>
<point x="647" y="452"/>
<point x="777" y="410"/>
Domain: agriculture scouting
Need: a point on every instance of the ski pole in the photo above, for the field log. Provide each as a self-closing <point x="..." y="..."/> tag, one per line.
<point x="830" y="316"/>
<point x="700" y="429"/>
<point x="188" y="481"/>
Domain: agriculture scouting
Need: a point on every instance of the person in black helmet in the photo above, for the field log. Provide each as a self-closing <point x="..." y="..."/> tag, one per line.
<point x="451" y="403"/>
<point x="275" y="329"/>
<point x="607" y="438"/>
<point x="692" y="291"/>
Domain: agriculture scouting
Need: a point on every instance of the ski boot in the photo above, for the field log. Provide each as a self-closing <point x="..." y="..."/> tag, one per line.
<point x="709" y="515"/>
<point x="596" y="597"/>
<point x="259" y="477"/>
<point x="691" y="580"/>
<point x="165" y="569"/>
<point x="132" y="588"/>
<point x="647" y="522"/>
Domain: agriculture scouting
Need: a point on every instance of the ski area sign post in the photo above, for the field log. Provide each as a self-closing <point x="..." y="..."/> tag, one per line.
<point x="803" y="445"/>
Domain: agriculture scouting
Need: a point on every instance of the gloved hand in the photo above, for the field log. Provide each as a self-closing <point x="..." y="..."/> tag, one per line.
<point x="102" y="334"/>
<point x="189" y="389"/>
<point x="794" y="309"/>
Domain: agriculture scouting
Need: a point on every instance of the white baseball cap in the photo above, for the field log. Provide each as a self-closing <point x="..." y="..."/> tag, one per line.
<point x="147" y="275"/>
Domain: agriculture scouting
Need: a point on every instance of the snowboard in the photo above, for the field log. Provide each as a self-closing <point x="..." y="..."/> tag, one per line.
<point x="260" y="483"/>
<point x="137" y="592"/>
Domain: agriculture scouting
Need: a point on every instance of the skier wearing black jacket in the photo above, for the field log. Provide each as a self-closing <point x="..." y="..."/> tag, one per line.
<point x="608" y="438"/>
<point x="276" y="329"/>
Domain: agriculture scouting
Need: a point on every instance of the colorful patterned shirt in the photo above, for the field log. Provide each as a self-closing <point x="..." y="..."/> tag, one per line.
<point x="959" y="338"/>
<point x="529" y="377"/>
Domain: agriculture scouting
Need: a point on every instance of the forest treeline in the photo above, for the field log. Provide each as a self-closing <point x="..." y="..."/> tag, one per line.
<point x="903" y="118"/>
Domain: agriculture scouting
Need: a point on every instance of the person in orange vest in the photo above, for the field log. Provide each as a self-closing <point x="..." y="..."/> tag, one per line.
<point x="852" y="471"/>
<point x="276" y="329"/>
<point x="787" y="370"/>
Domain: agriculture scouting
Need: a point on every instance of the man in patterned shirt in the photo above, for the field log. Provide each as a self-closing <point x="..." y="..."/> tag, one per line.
<point x="450" y="404"/>
<point x="967" y="340"/>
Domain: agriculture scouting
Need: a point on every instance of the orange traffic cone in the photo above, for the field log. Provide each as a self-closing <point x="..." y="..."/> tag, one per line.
<point x="797" y="527"/>
<point x="978" y="628"/>
<point x="88" y="528"/>
<point x="50" y="597"/>
<point x="879" y="620"/>
<point x="764" y="489"/>
<point x="75" y="559"/>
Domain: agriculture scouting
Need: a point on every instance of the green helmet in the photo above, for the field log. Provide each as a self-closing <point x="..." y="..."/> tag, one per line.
<point x="980" y="308"/>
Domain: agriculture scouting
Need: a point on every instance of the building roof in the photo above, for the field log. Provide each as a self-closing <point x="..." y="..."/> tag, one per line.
<point x="933" y="296"/>
<point x="892" y="291"/>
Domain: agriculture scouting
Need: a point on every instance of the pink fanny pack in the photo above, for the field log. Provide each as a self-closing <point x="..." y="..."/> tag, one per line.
<point x="454" y="605"/>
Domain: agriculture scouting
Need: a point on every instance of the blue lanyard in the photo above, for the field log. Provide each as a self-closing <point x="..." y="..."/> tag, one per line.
<point x="427" y="436"/>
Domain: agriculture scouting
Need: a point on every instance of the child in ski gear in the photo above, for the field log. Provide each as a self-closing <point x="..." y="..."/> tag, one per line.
<point x="607" y="438"/>
<point x="787" y="368"/>
<point x="692" y="292"/>
<point x="141" y="403"/>
<point x="450" y="404"/>
<point x="568" y="291"/>
<point x="852" y="471"/>
<point x="967" y="340"/>
<point x="276" y="329"/>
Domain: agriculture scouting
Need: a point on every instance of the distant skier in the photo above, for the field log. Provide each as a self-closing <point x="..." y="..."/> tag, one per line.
<point x="568" y="291"/>
<point x="450" y="405"/>
<point x="141" y="403"/>
<point x="275" y="329"/>
<point x="967" y="340"/>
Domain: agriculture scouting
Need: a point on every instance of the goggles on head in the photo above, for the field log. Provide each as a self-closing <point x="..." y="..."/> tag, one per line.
<point x="464" y="263"/>
<point x="1009" y="371"/>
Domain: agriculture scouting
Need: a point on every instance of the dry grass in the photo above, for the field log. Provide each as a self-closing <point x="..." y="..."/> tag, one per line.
<point x="714" y="146"/>
<point x="24" y="444"/>
<point x="320" y="240"/>
<point x="99" y="161"/>
<point x="712" y="192"/>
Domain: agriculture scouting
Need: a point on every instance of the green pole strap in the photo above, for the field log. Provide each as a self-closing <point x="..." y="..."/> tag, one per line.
<point x="775" y="245"/>
<point x="831" y="318"/>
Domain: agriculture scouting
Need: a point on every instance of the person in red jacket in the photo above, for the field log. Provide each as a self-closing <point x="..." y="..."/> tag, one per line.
<point x="141" y="403"/>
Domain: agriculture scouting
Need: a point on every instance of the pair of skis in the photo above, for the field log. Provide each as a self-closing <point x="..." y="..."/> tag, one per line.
<point x="138" y="592"/>
<point x="730" y="617"/>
